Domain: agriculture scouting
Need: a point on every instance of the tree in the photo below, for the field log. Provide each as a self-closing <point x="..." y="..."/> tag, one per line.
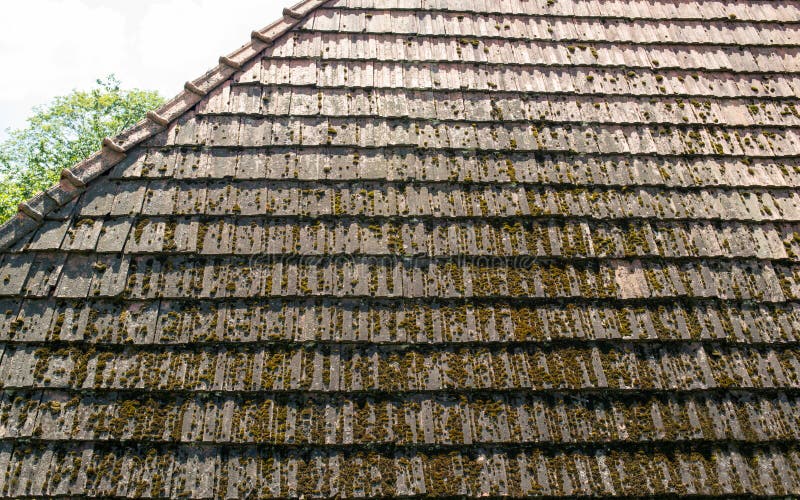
<point x="63" y="133"/>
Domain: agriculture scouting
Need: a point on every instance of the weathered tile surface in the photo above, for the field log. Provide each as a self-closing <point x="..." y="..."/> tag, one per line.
<point x="432" y="247"/>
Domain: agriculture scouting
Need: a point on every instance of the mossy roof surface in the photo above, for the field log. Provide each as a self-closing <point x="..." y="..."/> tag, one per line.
<point x="428" y="247"/>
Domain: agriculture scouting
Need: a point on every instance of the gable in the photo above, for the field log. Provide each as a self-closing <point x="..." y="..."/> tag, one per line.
<point x="419" y="247"/>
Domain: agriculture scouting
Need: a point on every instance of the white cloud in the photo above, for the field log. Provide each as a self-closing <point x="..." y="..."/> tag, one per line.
<point x="49" y="47"/>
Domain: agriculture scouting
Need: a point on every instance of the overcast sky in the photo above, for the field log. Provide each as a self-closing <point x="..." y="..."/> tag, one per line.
<point x="49" y="47"/>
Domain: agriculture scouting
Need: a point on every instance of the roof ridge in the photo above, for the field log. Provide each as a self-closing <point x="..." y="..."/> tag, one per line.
<point x="74" y="180"/>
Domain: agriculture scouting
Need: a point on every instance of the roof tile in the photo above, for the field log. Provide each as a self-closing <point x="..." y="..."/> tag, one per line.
<point x="487" y="218"/>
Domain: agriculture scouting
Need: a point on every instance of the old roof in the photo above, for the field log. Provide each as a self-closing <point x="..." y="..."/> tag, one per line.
<point x="439" y="247"/>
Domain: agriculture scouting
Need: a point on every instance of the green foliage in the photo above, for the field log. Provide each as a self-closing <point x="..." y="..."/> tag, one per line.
<point x="63" y="133"/>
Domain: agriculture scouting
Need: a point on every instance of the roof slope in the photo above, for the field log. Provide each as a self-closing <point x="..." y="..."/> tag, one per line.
<point x="442" y="247"/>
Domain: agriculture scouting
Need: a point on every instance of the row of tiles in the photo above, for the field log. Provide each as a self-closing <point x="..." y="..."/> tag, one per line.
<point x="482" y="107"/>
<point x="98" y="470"/>
<point x="281" y="321"/>
<point x="572" y="79"/>
<point x="545" y="239"/>
<point x="663" y="9"/>
<point x="260" y="131"/>
<point x="433" y="419"/>
<point x="144" y="277"/>
<point x="499" y="51"/>
<point x="409" y="165"/>
<point x="386" y="368"/>
<point x="438" y="200"/>
<point x="436" y="22"/>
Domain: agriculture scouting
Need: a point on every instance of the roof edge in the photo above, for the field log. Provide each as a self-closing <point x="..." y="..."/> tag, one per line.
<point x="31" y="213"/>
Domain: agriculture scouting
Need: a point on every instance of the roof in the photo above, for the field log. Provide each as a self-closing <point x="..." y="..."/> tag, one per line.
<point x="427" y="247"/>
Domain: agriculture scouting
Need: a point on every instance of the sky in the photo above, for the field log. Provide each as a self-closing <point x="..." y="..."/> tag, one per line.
<point x="50" y="47"/>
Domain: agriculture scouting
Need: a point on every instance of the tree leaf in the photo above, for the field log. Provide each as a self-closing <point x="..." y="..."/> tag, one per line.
<point x="63" y="133"/>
